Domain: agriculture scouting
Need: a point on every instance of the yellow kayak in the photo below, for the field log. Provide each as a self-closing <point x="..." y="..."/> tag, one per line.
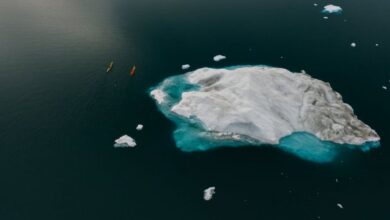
<point x="109" y="68"/>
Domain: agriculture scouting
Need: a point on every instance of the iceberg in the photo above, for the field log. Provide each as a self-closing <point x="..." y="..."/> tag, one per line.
<point x="261" y="105"/>
<point x="209" y="193"/>
<point x="329" y="9"/>
<point x="218" y="58"/>
<point x="185" y="66"/>
<point x="139" y="127"/>
<point x="125" y="141"/>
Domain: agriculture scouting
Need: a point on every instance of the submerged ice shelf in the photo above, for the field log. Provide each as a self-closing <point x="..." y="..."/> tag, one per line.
<point x="257" y="105"/>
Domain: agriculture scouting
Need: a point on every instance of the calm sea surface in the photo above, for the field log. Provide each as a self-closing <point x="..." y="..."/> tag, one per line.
<point x="60" y="111"/>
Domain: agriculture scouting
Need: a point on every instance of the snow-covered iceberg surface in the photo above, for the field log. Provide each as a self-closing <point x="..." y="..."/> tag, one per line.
<point x="329" y="9"/>
<point x="257" y="105"/>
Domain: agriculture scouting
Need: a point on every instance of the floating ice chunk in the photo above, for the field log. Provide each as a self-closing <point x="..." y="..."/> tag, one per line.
<point x="255" y="105"/>
<point x="209" y="193"/>
<point x="185" y="66"/>
<point x="218" y="58"/>
<point x="125" y="141"/>
<point x="377" y="45"/>
<point x="353" y="44"/>
<point x="315" y="4"/>
<point x="139" y="127"/>
<point x="326" y="17"/>
<point x="329" y="9"/>
<point x="340" y="206"/>
<point x="158" y="95"/>
<point x="384" y="87"/>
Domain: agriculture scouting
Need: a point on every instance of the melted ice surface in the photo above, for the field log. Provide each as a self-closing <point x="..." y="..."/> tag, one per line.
<point x="261" y="105"/>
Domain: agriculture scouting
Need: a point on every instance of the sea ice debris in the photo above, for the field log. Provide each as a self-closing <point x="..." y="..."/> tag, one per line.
<point x="125" y="141"/>
<point x="329" y="9"/>
<point x="209" y="193"/>
<point x="139" y="127"/>
<point x="218" y="58"/>
<point x="185" y="66"/>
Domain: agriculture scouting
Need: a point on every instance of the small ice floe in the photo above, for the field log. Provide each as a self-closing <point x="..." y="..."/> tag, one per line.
<point x="377" y="45"/>
<point x="315" y="4"/>
<point x="139" y="127"/>
<point x="340" y="206"/>
<point x="185" y="66"/>
<point x="336" y="180"/>
<point x="329" y="9"/>
<point x="158" y="95"/>
<point x="125" y="141"/>
<point x="218" y="58"/>
<point x="326" y="17"/>
<point x="208" y="193"/>
<point x="384" y="87"/>
<point x="353" y="44"/>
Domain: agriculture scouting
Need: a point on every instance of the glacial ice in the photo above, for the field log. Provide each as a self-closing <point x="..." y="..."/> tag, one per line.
<point x="218" y="58"/>
<point x="329" y="9"/>
<point x="257" y="105"/>
<point x="125" y="141"/>
<point x="185" y="66"/>
<point x="139" y="127"/>
<point x="209" y="193"/>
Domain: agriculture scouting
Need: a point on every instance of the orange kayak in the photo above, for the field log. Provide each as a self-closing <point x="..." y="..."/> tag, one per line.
<point x="132" y="71"/>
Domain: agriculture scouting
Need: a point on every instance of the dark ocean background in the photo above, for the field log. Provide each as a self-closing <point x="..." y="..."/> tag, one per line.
<point x="60" y="111"/>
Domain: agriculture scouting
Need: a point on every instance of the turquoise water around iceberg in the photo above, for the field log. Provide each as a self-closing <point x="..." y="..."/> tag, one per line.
<point x="190" y="135"/>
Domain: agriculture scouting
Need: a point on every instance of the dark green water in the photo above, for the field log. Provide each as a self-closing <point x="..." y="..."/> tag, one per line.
<point x="60" y="111"/>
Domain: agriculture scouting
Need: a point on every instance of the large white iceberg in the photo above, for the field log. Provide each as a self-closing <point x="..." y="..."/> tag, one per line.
<point x="261" y="105"/>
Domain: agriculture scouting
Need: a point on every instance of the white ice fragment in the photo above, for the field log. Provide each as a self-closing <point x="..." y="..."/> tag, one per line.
<point x="340" y="205"/>
<point x="208" y="193"/>
<point x="353" y="44"/>
<point x="218" y="58"/>
<point x="326" y="17"/>
<point x="185" y="66"/>
<point x="158" y="95"/>
<point x="377" y="45"/>
<point x="139" y="127"/>
<point x="315" y="4"/>
<point x="332" y="9"/>
<point x="125" y="141"/>
<point x="384" y="87"/>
